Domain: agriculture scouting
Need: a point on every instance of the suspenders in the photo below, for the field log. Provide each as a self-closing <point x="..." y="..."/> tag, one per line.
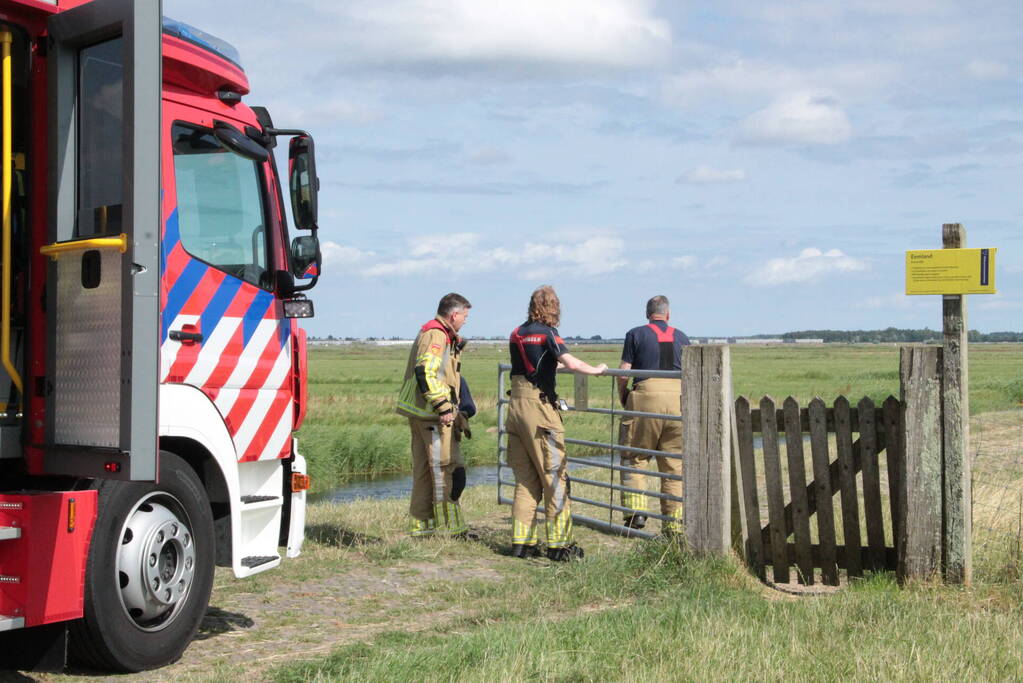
<point x="519" y="341"/>
<point x="666" y="345"/>
<point x="667" y="336"/>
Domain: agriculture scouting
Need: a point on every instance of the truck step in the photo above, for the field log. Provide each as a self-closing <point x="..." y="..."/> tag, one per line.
<point x="248" y="500"/>
<point x="256" y="560"/>
<point x="10" y="623"/>
<point x="9" y="532"/>
<point x="260" y="502"/>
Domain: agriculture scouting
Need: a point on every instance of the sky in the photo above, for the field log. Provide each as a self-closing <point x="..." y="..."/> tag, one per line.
<point x="765" y="165"/>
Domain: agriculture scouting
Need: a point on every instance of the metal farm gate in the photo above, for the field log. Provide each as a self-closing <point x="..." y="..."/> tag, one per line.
<point x="601" y="455"/>
<point x="705" y="403"/>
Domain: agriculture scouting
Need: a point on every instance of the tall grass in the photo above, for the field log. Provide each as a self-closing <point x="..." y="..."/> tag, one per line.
<point x="351" y="428"/>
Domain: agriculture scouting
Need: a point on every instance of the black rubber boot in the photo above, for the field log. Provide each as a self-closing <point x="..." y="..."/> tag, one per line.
<point x="523" y="551"/>
<point x="566" y="554"/>
<point x="635" y="521"/>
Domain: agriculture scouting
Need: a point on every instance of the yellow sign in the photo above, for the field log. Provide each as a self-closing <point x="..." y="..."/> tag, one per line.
<point x="950" y="271"/>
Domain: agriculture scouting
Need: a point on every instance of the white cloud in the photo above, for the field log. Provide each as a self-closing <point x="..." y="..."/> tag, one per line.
<point x="463" y="253"/>
<point x="611" y="33"/>
<point x="341" y="255"/>
<point x="986" y="70"/>
<point x="800" y="118"/>
<point x="742" y="79"/>
<point x="706" y="175"/>
<point x="593" y="256"/>
<point x="808" y="266"/>
<point x="444" y="245"/>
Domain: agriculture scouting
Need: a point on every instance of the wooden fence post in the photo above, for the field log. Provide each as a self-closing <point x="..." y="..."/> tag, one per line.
<point x="920" y="500"/>
<point x="956" y="415"/>
<point x="582" y="391"/>
<point x="706" y="445"/>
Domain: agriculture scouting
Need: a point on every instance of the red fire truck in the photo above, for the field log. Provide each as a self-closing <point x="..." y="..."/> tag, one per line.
<point x="153" y="368"/>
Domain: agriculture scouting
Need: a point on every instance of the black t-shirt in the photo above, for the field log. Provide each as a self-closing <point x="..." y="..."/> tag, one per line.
<point x="542" y="347"/>
<point x="645" y="351"/>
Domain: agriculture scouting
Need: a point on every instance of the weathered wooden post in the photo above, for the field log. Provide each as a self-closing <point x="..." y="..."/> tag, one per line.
<point x="920" y="471"/>
<point x="582" y="391"/>
<point x="706" y="445"/>
<point x="957" y="532"/>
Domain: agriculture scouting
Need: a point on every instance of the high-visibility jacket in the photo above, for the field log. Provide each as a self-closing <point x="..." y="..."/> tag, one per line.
<point x="431" y="384"/>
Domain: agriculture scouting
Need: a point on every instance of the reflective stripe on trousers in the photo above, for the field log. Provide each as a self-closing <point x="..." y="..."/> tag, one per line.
<point x="435" y="466"/>
<point x="559" y="529"/>
<point x="523" y="534"/>
<point x="558" y="486"/>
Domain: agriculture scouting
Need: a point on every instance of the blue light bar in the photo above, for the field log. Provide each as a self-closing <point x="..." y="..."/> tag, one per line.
<point x="217" y="46"/>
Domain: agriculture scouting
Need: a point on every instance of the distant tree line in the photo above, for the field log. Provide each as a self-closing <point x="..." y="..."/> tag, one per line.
<point x="890" y="335"/>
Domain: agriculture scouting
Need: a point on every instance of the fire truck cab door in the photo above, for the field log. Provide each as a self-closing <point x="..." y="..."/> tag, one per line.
<point x="103" y="314"/>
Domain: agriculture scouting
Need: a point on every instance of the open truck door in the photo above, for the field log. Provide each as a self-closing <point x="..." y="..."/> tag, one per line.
<point x="149" y="569"/>
<point x="103" y="291"/>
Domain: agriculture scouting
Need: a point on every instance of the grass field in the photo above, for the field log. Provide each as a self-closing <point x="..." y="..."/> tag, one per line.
<point x="365" y="602"/>
<point x="634" y="611"/>
<point x="351" y="428"/>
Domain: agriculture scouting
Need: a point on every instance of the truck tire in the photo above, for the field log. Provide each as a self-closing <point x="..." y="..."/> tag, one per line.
<point x="149" y="572"/>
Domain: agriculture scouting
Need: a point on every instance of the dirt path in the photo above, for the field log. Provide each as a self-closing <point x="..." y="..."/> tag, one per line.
<point x="311" y="606"/>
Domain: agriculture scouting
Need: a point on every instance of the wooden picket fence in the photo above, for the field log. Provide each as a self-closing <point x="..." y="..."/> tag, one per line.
<point x="789" y="515"/>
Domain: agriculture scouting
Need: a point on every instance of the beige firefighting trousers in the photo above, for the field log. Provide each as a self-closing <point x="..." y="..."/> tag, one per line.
<point x="536" y="454"/>
<point x="654" y="395"/>
<point x="435" y="455"/>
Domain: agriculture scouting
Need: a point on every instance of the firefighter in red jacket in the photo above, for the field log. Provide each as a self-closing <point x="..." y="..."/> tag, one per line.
<point x="429" y="398"/>
<point x="536" y="436"/>
<point x="655" y="346"/>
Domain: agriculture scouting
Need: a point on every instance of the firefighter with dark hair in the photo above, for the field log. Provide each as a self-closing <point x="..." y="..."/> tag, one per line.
<point x="536" y="436"/>
<point x="654" y="346"/>
<point x="429" y="398"/>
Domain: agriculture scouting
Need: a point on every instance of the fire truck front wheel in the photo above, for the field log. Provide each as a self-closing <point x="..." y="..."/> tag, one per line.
<point x="149" y="572"/>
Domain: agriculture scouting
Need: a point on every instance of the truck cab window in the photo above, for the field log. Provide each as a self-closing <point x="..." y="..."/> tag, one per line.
<point x="221" y="215"/>
<point x="100" y="131"/>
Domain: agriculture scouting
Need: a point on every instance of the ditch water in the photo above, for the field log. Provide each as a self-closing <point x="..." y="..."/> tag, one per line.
<point x="400" y="485"/>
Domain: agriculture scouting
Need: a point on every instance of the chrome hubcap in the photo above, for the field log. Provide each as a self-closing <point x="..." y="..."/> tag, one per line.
<point x="156" y="561"/>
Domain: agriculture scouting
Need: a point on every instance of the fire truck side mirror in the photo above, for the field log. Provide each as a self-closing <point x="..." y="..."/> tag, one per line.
<point x="305" y="256"/>
<point x="303" y="181"/>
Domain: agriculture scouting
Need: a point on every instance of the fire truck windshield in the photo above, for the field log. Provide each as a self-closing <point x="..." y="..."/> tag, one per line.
<point x="220" y="205"/>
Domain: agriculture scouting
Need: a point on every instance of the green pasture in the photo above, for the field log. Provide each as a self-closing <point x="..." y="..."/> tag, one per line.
<point x="631" y="611"/>
<point x="351" y="429"/>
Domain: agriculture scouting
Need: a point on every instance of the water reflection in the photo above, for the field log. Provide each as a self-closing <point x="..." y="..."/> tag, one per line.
<point x="400" y="485"/>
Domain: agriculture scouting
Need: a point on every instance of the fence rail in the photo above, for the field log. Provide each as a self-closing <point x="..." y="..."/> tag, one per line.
<point x="706" y="474"/>
<point x="603" y="449"/>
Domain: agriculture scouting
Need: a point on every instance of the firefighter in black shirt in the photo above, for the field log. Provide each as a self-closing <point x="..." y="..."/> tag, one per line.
<point x="655" y="346"/>
<point x="536" y="436"/>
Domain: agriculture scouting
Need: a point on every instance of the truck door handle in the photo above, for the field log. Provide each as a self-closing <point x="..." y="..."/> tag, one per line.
<point x="186" y="335"/>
